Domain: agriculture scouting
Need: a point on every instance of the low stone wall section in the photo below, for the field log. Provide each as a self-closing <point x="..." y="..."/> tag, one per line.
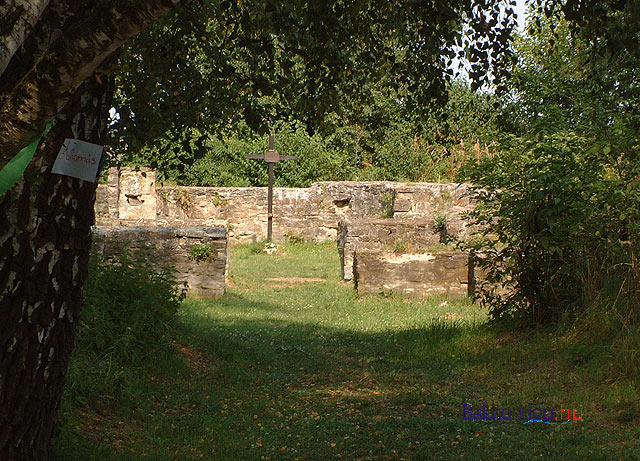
<point x="312" y="212"/>
<point x="440" y="272"/>
<point x="401" y="235"/>
<point x="423" y="200"/>
<point x="172" y="246"/>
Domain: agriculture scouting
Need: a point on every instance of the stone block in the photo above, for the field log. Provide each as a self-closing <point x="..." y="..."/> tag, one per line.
<point x="412" y="235"/>
<point x="137" y="194"/>
<point x="440" y="272"/>
<point x="402" y="203"/>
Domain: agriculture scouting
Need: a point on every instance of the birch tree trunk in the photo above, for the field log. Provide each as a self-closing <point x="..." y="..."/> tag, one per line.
<point x="49" y="50"/>
<point x="45" y="240"/>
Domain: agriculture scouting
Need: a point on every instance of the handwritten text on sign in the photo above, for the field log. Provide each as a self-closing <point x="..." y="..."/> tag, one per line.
<point x="78" y="159"/>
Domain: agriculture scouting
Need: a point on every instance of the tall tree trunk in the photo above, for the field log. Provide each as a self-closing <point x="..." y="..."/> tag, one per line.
<point x="45" y="239"/>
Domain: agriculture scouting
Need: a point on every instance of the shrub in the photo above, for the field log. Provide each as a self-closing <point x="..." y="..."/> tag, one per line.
<point x="548" y="220"/>
<point x="129" y="305"/>
<point x="225" y="163"/>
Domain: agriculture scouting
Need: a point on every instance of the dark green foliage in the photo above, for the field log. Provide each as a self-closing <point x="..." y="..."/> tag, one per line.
<point x="130" y="303"/>
<point x="381" y="143"/>
<point x="559" y="204"/>
<point x="387" y="199"/>
<point x="534" y="209"/>
<point x="439" y="221"/>
<point x="225" y="163"/>
<point x="558" y="228"/>
<point x="368" y="77"/>
<point x="210" y="64"/>
<point x="399" y="247"/>
<point x="610" y="27"/>
<point x="440" y="226"/>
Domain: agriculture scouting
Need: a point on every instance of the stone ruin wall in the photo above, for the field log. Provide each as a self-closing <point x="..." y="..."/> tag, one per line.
<point x="133" y="198"/>
<point x="386" y="234"/>
<point x="442" y="272"/>
<point x="172" y="245"/>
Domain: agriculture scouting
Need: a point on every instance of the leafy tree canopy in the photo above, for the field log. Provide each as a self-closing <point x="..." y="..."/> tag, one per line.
<point x="210" y="64"/>
<point x="558" y="204"/>
<point x="606" y="26"/>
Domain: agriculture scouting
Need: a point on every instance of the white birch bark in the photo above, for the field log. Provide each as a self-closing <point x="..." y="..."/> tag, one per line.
<point x="18" y="18"/>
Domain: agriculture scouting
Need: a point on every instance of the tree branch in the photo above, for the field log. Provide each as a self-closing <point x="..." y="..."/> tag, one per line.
<point x="20" y="19"/>
<point x="84" y="43"/>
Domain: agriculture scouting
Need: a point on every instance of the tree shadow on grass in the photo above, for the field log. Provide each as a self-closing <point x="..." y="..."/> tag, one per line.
<point x="286" y="388"/>
<point x="277" y="342"/>
<point x="369" y="395"/>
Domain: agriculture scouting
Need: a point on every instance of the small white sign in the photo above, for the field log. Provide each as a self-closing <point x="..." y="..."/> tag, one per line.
<point x="79" y="159"/>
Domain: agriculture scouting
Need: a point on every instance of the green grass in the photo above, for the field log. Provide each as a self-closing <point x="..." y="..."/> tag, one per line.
<point x="292" y="369"/>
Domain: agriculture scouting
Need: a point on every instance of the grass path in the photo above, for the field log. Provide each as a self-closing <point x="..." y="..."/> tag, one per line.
<point x="303" y="369"/>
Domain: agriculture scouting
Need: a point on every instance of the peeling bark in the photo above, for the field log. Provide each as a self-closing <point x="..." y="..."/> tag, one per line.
<point x="84" y="39"/>
<point x="49" y="28"/>
<point x="45" y="239"/>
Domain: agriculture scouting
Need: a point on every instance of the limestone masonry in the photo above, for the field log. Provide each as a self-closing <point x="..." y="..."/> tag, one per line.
<point x="133" y="198"/>
<point x="441" y="272"/>
<point x="205" y="277"/>
<point x="377" y="225"/>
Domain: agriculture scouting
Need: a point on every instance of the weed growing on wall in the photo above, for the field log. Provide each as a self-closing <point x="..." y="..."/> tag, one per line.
<point x="201" y="252"/>
<point x="399" y="247"/>
<point x="440" y="226"/>
<point x="388" y="200"/>
<point x="294" y="238"/>
<point x="184" y="200"/>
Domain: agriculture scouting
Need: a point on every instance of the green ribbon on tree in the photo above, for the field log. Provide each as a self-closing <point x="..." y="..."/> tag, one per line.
<point x="14" y="170"/>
